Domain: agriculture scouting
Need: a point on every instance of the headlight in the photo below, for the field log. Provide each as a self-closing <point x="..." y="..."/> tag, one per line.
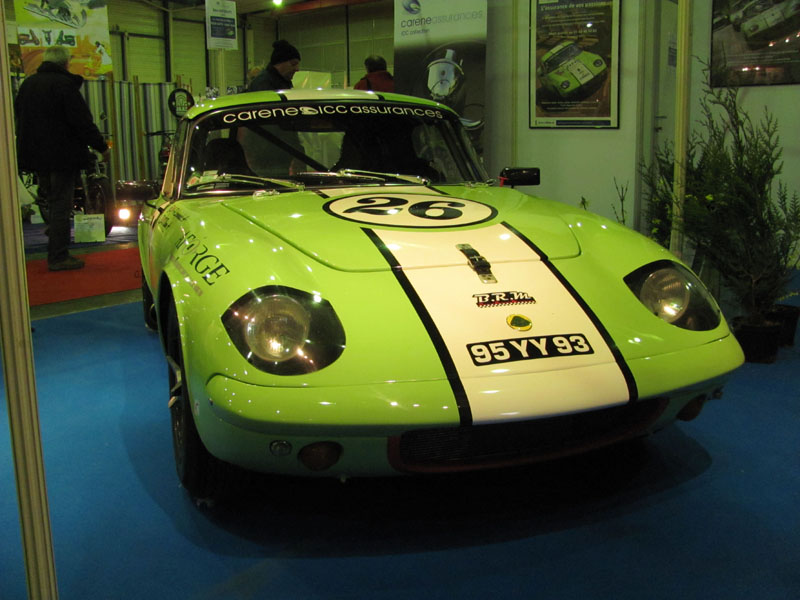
<point x="674" y="294"/>
<point x="285" y="331"/>
<point x="598" y="62"/>
<point x="565" y="84"/>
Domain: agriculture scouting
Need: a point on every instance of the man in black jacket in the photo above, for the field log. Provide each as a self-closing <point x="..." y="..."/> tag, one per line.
<point x="265" y="157"/>
<point x="283" y="64"/>
<point x="54" y="130"/>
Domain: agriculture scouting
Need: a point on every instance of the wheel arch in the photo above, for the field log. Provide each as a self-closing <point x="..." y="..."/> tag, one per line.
<point x="163" y="302"/>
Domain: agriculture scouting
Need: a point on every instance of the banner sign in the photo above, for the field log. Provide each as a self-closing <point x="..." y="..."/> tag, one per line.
<point x="440" y="54"/>
<point x="221" y="30"/>
<point x="574" y="63"/>
<point x="80" y="25"/>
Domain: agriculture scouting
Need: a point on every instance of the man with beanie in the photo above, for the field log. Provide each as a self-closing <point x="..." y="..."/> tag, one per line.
<point x="377" y="77"/>
<point x="265" y="157"/>
<point x="54" y="129"/>
<point x="283" y="64"/>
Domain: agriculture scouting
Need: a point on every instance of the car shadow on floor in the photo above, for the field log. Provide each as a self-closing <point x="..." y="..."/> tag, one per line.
<point x="325" y="517"/>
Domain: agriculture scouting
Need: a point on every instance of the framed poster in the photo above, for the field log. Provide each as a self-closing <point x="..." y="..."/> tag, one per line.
<point x="755" y="42"/>
<point x="574" y="64"/>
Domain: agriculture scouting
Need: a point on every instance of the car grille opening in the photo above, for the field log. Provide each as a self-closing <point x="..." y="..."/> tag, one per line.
<point x="507" y="444"/>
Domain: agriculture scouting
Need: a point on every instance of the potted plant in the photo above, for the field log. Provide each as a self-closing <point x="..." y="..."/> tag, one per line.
<point x="741" y="220"/>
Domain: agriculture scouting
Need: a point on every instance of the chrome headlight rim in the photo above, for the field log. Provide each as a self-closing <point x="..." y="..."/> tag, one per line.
<point x="698" y="310"/>
<point x="314" y="318"/>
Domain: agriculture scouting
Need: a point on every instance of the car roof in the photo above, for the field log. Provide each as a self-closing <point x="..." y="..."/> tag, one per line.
<point x="309" y="95"/>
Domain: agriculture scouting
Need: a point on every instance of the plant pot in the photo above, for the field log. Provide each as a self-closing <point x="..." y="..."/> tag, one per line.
<point x="787" y="315"/>
<point x="759" y="342"/>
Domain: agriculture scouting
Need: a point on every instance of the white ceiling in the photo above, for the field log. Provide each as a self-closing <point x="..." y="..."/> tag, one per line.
<point x="263" y="7"/>
<point x="243" y="6"/>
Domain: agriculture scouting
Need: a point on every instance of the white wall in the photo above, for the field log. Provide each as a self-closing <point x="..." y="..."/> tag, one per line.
<point x="575" y="163"/>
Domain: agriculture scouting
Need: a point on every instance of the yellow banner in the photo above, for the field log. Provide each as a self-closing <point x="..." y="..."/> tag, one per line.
<point x="81" y="25"/>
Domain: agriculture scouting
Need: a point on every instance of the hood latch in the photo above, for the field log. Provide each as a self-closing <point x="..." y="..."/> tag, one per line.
<point x="478" y="263"/>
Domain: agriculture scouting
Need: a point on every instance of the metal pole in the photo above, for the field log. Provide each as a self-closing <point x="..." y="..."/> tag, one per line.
<point x="15" y="324"/>
<point x="682" y="90"/>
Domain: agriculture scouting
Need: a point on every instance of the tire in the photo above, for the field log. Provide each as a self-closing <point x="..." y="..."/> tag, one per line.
<point x="99" y="199"/>
<point x="148" y="307"/>
<point x="198" y="471"/>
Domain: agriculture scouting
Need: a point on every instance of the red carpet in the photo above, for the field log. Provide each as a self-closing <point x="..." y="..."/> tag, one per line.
<point x="104" y="273"/>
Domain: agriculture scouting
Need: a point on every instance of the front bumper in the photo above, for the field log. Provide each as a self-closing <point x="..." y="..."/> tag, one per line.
<point x="392" y="428"/>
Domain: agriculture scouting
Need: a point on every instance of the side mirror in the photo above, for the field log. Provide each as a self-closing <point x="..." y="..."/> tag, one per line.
<point x="513" y="176"/>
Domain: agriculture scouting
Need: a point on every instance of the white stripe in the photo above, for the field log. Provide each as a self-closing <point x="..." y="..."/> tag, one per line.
<point x="447" y="286"/>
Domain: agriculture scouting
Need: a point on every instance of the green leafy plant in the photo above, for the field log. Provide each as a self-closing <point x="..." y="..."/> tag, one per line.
<point x="740" y="219"/>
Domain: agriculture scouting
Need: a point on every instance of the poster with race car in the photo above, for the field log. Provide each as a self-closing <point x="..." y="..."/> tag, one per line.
<point x="574" y="64"/>
<point x="440" y="54"/>
<point x="755" y="42"/>
<point x="80" y="25"/>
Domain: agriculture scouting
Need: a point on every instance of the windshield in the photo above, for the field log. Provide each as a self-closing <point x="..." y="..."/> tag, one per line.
<point x="757" y="8"/>
<point x="326" y="144"/>
<point x="561" y="56"/>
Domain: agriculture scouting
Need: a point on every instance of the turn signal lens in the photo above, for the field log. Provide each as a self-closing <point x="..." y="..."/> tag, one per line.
<point x="320" y="456"/>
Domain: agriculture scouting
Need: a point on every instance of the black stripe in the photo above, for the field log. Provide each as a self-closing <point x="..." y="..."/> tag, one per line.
<point x="633" y="392"/>
<point x="464" y="410"/>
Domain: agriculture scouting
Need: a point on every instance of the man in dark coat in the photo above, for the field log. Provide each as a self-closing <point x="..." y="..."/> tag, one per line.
<point x="283" y="64"/>
<point x="377" y="77"/>
<point x="264" y="157"/>
<point x="54" y="130"/>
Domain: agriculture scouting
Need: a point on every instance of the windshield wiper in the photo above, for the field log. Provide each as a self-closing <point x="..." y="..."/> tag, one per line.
<point x="321" y="175"/>
<point x="386" y="176"/>
<point x="247" y="179"/>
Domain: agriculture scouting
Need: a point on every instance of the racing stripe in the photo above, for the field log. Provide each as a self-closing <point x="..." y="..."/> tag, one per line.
<point x="633" y="392"/>
<point x="522" y="343"/>
<point x="465" y="417"/>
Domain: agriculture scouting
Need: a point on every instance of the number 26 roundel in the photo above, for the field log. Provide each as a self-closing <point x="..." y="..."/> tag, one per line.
<point x="410" y="210"/>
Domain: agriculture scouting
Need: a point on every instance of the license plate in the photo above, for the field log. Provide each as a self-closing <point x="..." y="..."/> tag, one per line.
<point x="528" y="348"/>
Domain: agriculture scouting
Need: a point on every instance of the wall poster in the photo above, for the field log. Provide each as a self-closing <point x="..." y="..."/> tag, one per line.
<point x="755" y="42"/>
<point x="574" y="63"/>
<point x="80" y="25"/>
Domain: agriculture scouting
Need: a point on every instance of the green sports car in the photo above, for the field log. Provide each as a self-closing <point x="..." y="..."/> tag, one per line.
<point x="763" y="20"/>
<point x="568" y="71"/>
<point x="340" y="290"/>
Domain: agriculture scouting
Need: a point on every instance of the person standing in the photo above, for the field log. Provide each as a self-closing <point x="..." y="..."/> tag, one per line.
<point x="283" y="64"/>
<point x="377" y="78"/>
<point x="54" y="130"/>
<point x="265" y="157"/>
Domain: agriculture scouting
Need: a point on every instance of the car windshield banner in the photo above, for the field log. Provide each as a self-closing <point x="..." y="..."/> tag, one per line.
<point x="574" y="66"/>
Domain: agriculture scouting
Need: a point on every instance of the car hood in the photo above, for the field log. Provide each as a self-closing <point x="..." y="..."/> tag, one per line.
<point x="580" y="69"/>
<point x="334" y="226"/>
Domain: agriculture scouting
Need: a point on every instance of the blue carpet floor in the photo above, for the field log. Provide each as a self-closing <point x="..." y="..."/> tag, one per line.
<point x="703" y="510"/>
